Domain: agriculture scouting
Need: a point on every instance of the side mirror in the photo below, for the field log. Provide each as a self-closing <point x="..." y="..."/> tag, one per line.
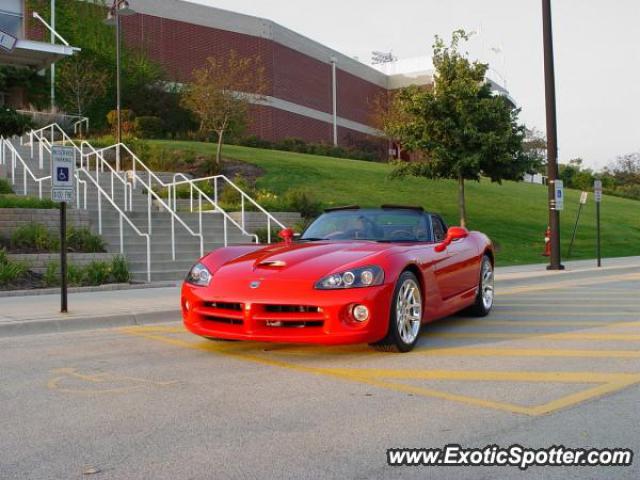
<point x="454" y="233"/>
<point x="287" y="235"/>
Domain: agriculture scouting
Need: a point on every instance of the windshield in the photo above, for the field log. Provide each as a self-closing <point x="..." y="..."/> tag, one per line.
<point x="377" y="225"/>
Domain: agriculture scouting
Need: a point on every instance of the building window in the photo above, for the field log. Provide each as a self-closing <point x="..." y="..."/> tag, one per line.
<point x="11" y="12"/>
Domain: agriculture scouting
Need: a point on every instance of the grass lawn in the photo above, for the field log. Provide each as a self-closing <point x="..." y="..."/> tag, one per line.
<point x="513" y="214"/>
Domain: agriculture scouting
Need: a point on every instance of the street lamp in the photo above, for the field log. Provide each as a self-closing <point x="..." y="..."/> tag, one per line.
<point x="118" y="9"/>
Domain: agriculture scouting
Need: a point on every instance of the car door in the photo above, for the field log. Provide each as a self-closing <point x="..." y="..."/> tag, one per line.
<point x="455" y="265"/>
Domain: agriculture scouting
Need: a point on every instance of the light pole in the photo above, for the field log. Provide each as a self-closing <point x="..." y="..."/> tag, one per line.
<point x="552" y="136"/>
<point x="118" y="8"/>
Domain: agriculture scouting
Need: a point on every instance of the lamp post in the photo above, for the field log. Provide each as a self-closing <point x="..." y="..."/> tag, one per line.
<point x="552" y="136"/>
<point x="118" y="9"/>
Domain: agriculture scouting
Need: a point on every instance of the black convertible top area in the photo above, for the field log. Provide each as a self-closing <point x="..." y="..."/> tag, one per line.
<point x="384" y="207"/>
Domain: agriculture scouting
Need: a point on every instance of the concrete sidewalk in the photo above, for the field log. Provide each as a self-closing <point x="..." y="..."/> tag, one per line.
<point x="41" y="313"/>
<point x="23" y="315"/>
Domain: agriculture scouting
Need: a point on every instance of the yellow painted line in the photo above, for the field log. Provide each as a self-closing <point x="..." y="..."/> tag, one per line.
<point x="529" y="323"/>
<point x="526" y="352"/>
<point x="604" y="304"/>
<point x="555" y="313"/>
<point x="543" y="336"/>
<point x="491" y="376"/>
<point x="579" y="397"/>
<point x="612" y="381"/>
<point x="568" y="284"/>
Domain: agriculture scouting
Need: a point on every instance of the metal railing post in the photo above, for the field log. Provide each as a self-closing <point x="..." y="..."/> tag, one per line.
<point x="268" y="229"/>
<point x="121" y="236"/>
<point x="99" y="213"/>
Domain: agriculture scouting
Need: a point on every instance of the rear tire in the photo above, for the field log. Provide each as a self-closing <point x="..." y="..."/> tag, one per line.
<point x="405" y="318"/>
<point x="484" y="298"/>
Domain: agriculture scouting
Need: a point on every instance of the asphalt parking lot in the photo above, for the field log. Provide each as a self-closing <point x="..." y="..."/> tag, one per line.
<point x="557" y="363"/>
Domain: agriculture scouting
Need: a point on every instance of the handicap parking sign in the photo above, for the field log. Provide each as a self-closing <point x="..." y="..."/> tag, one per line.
<point x="62" y="174"/>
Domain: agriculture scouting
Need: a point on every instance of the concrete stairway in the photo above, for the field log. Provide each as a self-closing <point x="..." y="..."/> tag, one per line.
<point x="163" y="267"/>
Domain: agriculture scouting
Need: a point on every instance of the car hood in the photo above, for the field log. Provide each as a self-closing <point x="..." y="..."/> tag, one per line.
<point x="303" y="260"/>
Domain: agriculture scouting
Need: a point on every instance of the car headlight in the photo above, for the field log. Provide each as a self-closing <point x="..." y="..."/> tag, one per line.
<point x="199" y="275"/>
<point x="354" y="278"/>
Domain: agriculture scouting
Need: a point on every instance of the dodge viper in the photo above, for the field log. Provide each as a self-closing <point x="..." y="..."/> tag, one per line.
<point x="355" y="275"/>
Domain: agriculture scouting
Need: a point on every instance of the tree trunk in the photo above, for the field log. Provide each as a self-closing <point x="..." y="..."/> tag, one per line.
<point x="219" y="148"/>
<point x="461" y="203"/>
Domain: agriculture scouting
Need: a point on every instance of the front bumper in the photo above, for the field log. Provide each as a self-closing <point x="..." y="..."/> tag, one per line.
<point x="286" y="314"/>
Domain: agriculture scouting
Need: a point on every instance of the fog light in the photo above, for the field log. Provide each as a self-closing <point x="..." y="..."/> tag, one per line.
<point x="360" y="313"/>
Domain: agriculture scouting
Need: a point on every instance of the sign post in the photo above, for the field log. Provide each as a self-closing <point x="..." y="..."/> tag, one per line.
<point x="63" y="164"/>
<point x="597" y="193"/>
<point x="583" y="200"/>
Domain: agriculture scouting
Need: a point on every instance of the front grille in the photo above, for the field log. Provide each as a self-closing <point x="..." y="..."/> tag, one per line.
<point x="291" y="309"/>
<point x="237" y="307"/>
<point x="226" y="321"/>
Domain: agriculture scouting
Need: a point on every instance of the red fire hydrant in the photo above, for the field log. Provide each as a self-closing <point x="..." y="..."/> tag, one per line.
<point x="547" y="243"/>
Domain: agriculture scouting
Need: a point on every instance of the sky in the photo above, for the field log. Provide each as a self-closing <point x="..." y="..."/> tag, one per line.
<point x="597" y="54"/>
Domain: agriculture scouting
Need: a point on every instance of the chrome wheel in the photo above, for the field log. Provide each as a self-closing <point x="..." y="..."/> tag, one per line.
<point x="408" y="311"/>
<point x="486" y="284"/>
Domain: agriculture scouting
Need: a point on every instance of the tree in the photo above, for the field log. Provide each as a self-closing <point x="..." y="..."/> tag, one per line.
<point x="220" y="94"/>
<point x="81" y="82"/>
<point x="389" y="114"/>
<point x="462" y="129"/>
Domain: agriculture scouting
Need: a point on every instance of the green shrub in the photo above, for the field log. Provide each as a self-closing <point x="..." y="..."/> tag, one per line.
<point x="120" y="270"/>
<point x="357" y="149"/>
<point x="5" y="186"/>
<point x="230" y="198"/>
<point x="51" y="277"/>
<point x="303" y="202"/>
<point x="96" y="273"/>
<point x="254" y="141"/>
<point x="184" y="191"/>
<point x="263" y="237"/>
<point x="34" y="237"/>
<point x="15" y="201"/>
<point x="75" y="275"/>
<point x="12" y="123"/>
<point x="82" y="240"/>
<point x="148" y="127"/>
<point x="10" y="271"/>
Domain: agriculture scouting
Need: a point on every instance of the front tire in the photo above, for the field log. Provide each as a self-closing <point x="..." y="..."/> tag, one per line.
<point x="405" y="318"/>
<point x="484" y="298"/>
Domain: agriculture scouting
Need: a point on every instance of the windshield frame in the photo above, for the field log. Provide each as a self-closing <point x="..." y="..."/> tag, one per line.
<point x="375" y="212"/>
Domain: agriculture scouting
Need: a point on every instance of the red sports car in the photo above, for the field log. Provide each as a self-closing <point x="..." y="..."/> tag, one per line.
<point x="355" y="275"/>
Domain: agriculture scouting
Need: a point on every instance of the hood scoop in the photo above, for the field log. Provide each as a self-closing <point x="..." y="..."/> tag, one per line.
<point x="272" y="263"/>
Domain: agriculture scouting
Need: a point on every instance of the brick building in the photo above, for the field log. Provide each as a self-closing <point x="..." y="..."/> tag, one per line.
<point x="315" y="93"/>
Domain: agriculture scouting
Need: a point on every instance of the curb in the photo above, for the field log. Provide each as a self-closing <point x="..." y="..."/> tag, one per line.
<point x="62" y="325"/>
<point x="99" y="288"/>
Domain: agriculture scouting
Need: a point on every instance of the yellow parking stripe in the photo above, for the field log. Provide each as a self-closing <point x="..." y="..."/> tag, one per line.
<point x="570" y="283"/>
<point x="526" y="352"/>
<point x="490" y="376"/>
<point x="603" y="304"/>
<point x="543" y="336"/>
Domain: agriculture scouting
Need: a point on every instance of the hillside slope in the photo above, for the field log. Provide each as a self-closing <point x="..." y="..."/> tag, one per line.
<point x="513" y="214"/>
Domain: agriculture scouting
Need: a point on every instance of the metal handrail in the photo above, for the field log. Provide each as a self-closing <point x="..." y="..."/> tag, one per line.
<point x="100" y="164"/>
<point x="122" y="217"/>
<point x="46" y="144"/>
<point x="171" y="189"/>
<point x="151" y="193"/>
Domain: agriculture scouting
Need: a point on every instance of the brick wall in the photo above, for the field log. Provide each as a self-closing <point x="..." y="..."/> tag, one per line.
<point x="181" y="47"/>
